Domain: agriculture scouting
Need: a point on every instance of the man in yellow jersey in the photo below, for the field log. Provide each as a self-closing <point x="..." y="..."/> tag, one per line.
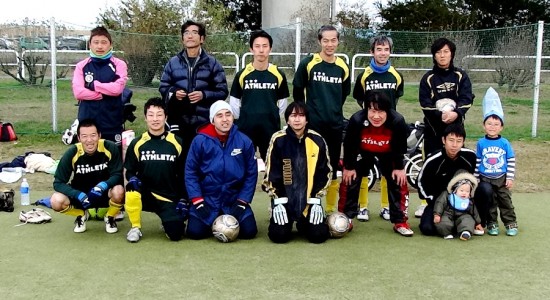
<point x="95" y="166"/>
<point x="322" y="80"/>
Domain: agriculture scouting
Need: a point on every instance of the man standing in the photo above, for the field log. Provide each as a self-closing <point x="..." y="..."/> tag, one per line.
<point x="322" y="81"/>
<point x="259" y="94"/>
<point x="95" y="166"/>
<point x="190" y="83"/>
<point x="98" y="83"/>
<point x="439" y="168"/>
<point x="443" y="83"/>
<point x="221" y="175"/>
<point x="298" y="174"/>
<point x="154" y="170"/>
<point x="380" y="75"/>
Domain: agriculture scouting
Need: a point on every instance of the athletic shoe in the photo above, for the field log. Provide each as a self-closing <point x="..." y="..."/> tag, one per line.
<point x="448" y="237"/>
<point x="133" y="235"/>
<point x="110" y="225"/>
<point x="479" y="232"/>
<point x="385" y="213"/>
<point x="120" y="216"/>
<point x="419" y="211"/>
<point x="363" y="215"/>
<point x="44" y="215"/>
<point x="80" y="223"/>
<point x="350" y="226"/>
<point x="511" y="230"/>
<point x="403" y="229"/>
<point x="465" y="235"/>
<point x="492" y="229"/>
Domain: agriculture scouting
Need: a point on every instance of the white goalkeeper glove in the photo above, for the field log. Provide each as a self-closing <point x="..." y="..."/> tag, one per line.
<point x="316" y="214"/>
<point x="279" y="211"/>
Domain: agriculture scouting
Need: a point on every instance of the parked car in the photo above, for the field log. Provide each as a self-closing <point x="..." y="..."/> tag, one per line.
<point x="71" y="44"/>
<point x="33" y="43"/>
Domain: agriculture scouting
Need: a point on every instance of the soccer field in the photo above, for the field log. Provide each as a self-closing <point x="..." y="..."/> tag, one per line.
<point x="372" y="262"/>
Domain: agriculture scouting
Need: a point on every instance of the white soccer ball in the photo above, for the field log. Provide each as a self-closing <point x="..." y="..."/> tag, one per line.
<point x="338" y="224"/>
<point x="225" y="228"/>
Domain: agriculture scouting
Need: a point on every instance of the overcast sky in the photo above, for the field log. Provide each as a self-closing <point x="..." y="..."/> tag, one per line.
<point x="73" y="12"/>
<point x="76" y="12"/>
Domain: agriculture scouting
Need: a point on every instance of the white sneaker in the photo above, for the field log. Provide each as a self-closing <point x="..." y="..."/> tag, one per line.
<point x="110" y="225"/>
<point x="479" y="232"/>
<point x="448" y="237"/>
<point x="120" y="216"/>
<point x="363" y="215"/>
<point x="133" y="235"/>
<point x="80" y="223"/>
<point x="385" y="213"/>
<point x="465" y="235"/>
<point x="420" y="211"/>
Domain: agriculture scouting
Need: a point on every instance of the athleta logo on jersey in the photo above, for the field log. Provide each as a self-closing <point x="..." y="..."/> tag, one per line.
<point x="85" y="169"/>
<point x="446" y="87"/>
<point x="493" y="159"/>
<point x="375" y="139"/>
<point x="152" y="156"/>
<point x="375" y="85"/>
<point x="255" y="85"/>
<point x="320" y="76"/>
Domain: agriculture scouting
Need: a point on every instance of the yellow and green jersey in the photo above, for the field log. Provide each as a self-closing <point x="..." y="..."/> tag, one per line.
<point x="157" y="162"/>
<point x="87" y="170"/>
<point x="390" y="82"/>
<point x="258" y="97"/>
<point x="324" y="87"/>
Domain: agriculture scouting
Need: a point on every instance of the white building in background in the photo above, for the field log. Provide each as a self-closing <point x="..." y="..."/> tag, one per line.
<point x="277" y="13"/>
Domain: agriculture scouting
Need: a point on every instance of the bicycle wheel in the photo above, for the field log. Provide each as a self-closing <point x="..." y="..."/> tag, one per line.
<point x="412" y="168"/>
<point x="373" y="176"/>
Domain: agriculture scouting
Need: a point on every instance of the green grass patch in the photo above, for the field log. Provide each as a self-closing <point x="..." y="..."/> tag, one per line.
<point x="372" y="262"/>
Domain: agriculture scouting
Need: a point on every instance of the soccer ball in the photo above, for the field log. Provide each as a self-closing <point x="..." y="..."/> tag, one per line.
<point x="225" y="228"/>
<point x="97" y="213"/>
<point x="338" y="224"/>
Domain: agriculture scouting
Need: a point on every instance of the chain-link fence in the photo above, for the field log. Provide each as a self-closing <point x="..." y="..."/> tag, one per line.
<point x="504" y="57"/>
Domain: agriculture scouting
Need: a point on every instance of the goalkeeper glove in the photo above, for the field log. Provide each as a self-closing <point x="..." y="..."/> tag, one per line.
<point x="83" y="198"/>
<point x="97" y="191"/>
<point x="202" y="209"/>
<point x="238" y="209"/>
<point x="316" y="214"/>
<point x="279" y="211"/>
<point x="134" y="184"/>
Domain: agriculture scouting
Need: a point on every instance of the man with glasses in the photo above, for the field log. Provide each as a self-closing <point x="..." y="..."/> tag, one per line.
<point x="191" y="82"/>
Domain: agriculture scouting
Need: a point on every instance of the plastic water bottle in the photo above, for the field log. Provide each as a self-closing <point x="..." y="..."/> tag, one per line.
<point x="25" y="192"/>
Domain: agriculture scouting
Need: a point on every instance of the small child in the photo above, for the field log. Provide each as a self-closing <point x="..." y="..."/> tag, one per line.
<point x="454" y="211"/>
<point x="496" y="167"/>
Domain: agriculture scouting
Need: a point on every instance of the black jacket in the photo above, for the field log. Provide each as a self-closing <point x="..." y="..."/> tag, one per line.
<point x="297" y="168"/>
<point x="206" y="75"/>
<point x="439" y="169"/>
<point x="398" y="143"/>
<point x="452" y="83"/>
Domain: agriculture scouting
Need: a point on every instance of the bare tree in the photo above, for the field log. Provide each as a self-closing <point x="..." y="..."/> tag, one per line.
<point x="513" y="68"/>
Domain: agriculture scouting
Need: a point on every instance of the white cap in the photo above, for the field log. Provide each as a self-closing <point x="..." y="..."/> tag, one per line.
<point x="216" y="107"/>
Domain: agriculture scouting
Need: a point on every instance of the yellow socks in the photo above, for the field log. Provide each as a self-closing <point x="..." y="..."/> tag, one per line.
<point x="133" y="208"/>
<point x="332" y="196"/>
<point x="114" y="208"/>
<point x="71" y="211"/>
